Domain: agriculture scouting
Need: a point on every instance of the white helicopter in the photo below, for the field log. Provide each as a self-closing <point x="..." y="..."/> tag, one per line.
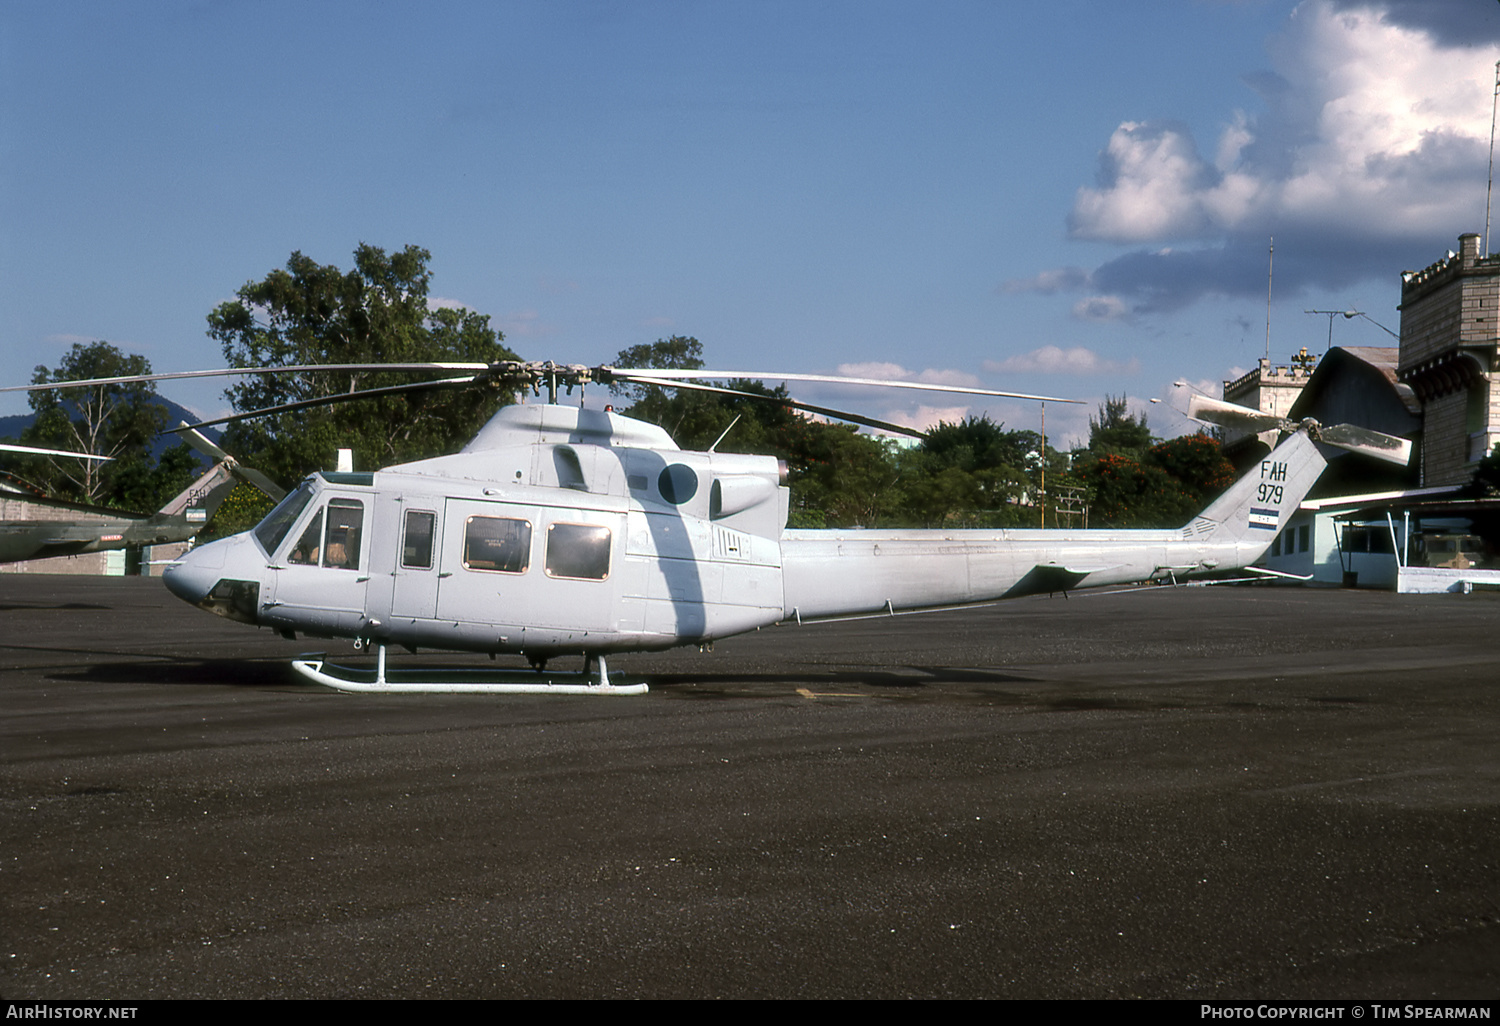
<point x="561" y="530"/>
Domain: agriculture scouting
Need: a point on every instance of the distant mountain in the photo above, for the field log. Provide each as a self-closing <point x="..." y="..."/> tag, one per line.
<point x="11" y="428"/>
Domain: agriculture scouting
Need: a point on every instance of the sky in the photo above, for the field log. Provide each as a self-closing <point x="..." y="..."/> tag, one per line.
<point x="1076" y="198"/>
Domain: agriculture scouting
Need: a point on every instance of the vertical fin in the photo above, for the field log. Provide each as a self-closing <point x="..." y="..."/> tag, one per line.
<point x="1258" y="505"/>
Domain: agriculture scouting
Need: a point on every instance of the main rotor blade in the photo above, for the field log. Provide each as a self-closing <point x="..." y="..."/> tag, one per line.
<point x="29" y="450"/>
<point x="665" y="376"/>
<point x="337" y="397"/>
<point x="1368" y="442"/>
<point x="853" y="418"/>
<point x="224" y="372"/>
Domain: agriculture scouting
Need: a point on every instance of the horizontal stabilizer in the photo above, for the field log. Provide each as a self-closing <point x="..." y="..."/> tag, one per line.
<point x="1048" y="578"/>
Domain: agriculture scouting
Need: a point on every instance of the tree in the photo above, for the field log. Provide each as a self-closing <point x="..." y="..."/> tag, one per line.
<point x="1169" y="483"/>
<point x="118" y="421"/>
<point x="972" y="473"/>
<point x="1117" y="431"/>
<point x="378" y="312"/>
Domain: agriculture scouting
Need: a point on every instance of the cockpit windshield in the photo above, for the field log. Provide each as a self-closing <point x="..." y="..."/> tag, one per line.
<point x="270" y="531"/>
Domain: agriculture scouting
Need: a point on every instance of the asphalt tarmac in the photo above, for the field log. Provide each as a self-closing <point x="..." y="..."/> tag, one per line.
<point x="1178" y="793"/>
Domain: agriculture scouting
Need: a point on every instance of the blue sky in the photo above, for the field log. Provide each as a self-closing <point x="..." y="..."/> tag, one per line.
<point x="1072" y="198"/>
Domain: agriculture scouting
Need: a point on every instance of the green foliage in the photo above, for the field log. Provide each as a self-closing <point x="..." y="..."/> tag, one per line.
<point x="680" y="352"/>
<point x="140" y="486"/>
<point x="974" y="474"/>
<point x="376" y="313"/>
<point x="118" y="421"/>
<point x="1117" y="431"/>
<point x="1164" y="488"/>
<point x="242" y="509"/>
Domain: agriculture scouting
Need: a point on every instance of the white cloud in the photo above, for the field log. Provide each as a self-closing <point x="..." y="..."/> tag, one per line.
<point x="1078" y="360"/>
<point x="1373" y="129"/>
<point x="896" y="372"/>
<point x="927" y="417"/>
<point x="1058" y="279"/>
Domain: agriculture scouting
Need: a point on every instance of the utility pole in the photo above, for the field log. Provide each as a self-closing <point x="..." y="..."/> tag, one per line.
<point x="1270" y="267"/>
<point x="1044" y="465"/>
<point x="1491" y="184"/>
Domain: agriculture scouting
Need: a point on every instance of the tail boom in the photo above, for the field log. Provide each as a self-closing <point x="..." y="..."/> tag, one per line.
<point x="839" y="573"/>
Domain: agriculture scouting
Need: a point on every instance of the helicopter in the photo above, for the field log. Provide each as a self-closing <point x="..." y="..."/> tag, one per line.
<point x="560" y="530"/>
<point x="81" y="528"/>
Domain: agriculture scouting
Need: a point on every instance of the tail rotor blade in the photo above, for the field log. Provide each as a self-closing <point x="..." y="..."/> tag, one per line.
<point x="1367" y="442"/>
<point x="1216" y="411"/>
<point x="249" y="475"/>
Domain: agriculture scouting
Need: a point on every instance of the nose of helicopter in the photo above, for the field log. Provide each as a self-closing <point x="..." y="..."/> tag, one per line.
<point x="211" y="577"/>
<point x="193" y="575"/>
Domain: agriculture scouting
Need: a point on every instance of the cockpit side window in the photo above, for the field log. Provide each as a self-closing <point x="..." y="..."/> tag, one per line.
<point x="345" y="531"/>
<point x="332" y="537"/>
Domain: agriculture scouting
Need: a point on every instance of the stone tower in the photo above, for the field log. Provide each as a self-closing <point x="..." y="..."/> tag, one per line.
<point x="1450" y="353"/>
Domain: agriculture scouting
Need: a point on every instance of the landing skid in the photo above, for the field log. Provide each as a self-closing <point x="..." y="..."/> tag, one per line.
<point x="459" y="681"/>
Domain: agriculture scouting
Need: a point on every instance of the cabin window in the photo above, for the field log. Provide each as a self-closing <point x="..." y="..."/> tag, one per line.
<point x="499" y="544"/>
<point x="578" y="550"/>
<point x="345" y="520"/>
<point x="272" y="531"/>
<point x="332" y="538"/>
<point x="416" y="541"/>
<point x="1302" y="537"/>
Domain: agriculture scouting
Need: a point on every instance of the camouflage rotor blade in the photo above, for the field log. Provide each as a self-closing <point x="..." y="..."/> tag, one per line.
<point x="250" y="475"/>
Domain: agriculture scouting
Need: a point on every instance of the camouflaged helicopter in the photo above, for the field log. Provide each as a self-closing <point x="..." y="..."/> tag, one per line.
<point x="75" y="528"/>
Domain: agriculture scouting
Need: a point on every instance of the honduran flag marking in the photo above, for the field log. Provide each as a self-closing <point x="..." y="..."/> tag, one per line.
<point x="1263" y="518"/>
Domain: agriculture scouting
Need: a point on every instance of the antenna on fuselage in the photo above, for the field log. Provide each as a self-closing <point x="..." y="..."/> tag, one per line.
<point x="730" y="428"/>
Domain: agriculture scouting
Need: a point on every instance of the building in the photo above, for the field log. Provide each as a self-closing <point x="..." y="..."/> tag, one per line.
<point x="1450" y="352"/>
<point x="1269" y="389"/>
